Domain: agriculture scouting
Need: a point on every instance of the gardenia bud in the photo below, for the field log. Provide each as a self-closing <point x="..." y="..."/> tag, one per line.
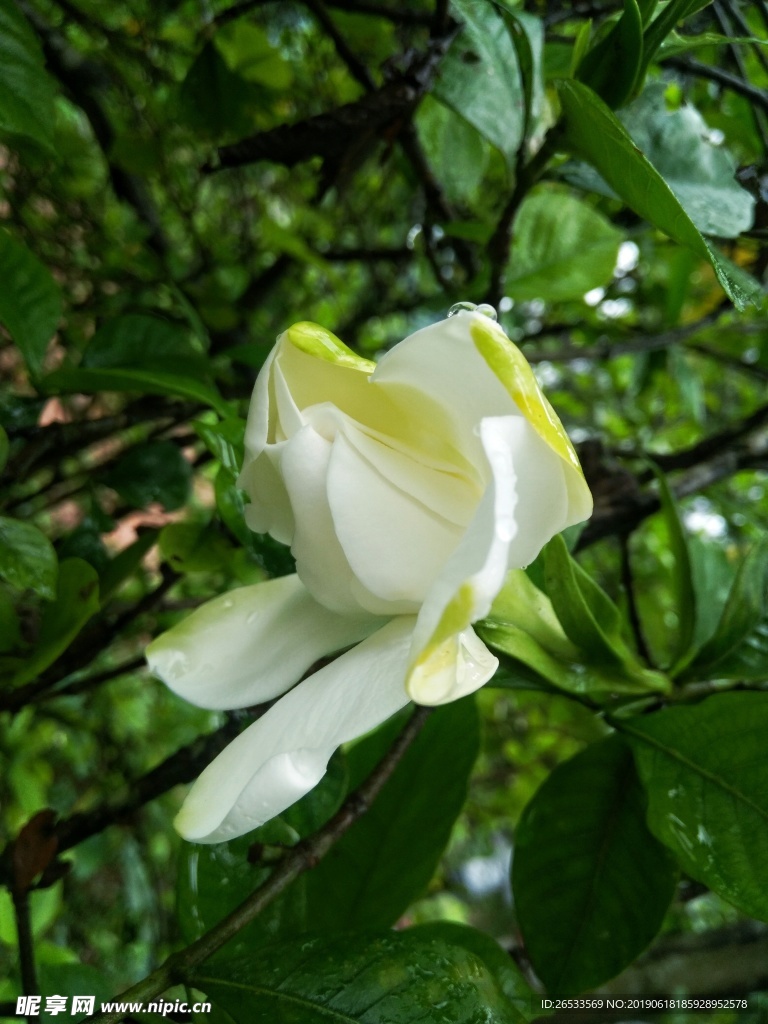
<point x="406" y="490"/>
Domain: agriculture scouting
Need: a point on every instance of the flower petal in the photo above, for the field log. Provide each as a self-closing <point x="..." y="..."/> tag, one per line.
<point x="525" y="504"/>
<point x="285" y="753"/>
<point x="395" y="545"/>
<point x="514" y="371"/>
<point x="458" y="666"/>
<point x="251" y="644"/>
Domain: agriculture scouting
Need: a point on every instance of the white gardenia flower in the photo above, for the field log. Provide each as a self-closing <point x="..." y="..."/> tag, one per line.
<point x="406" y="489"/>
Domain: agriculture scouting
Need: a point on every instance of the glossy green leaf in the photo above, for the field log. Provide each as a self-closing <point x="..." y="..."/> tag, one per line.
<point x="387" y="858"/>
<point x="706" y="775"/>
<point x="396" y="977"/>
<point x="741" y="617"/>
<point x="700" y="173"/>
<point x="498" y="961"/>
<point x="77" y="600"/>
<point x="27" y="558"/>
<point x="479" y="78"/>
<point x="152" y="382"/>
<point x="30" y="300"/>
<point x="214" y="879"/>
<point x="137" y="341"/>
<point x="152" y="472"/>
<point x="26" y="91"/>
<point x="593" y="132"/>
<point x="612" y="66"/>
<point x="591" y="884"/>
<point x="561" y="248"/>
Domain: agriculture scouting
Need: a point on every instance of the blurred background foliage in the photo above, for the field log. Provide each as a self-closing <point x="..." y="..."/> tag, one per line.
<point x="184" y="180"/>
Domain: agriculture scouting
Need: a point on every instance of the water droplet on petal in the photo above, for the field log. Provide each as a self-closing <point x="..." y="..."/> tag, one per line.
<point x="463" y="307"/>
<point x="487" y="310"/>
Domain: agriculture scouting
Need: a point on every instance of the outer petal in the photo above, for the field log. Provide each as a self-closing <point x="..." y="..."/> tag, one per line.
<point x="251" y="644"/>
<point x="284" y="754"/>
<point x="524" y="505"/>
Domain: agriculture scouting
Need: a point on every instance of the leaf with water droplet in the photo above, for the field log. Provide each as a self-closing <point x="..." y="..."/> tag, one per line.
<point x="397" y="977"/>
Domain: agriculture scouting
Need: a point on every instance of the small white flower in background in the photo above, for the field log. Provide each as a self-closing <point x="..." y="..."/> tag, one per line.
<point x="406" y="489"/>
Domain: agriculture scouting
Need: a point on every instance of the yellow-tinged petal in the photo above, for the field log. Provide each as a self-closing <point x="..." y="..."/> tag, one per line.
<point x="513" y="370"/>
<point x="430" y="660"/>
<point x="321" y="343"/>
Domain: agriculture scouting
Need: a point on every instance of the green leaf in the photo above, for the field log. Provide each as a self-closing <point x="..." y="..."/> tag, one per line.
<point x="193" y="547"/>
<point x="658" y="30"/>
<point x="706" y="775"/>
<point x="152" y="472"/>
<point x="738" y="648"/>
<point x="387" y="858"/>
<point x="124" y="564"/>
<point x="397" y="977"/>
<point x="682" y="574"/>
<point x="26" y="91"/>
<point x="588" y="616"/>
<point x="27" y="558"/>
<point x="612" y="66"/>
<point x="152" y="382"/>
<point x="591" y="884"/>
<point x="224" y="440"/>
<point x="30" y="301"/>
<point x="137" y="341"/>
<point x="676" y="44"/>
<point x="455" y="149"/>
<point x="700" y="173"/>
<point x="522" y="624"/>
<point x="77" y="600"/>
<point x="5" y="448"/>
<point x="479" y="78"/>
<point x="593" y="132"/>
<point x="214" y="879"/>
<point x="561" y="248"/>
<point x="215" y="100"/>
<point x="498" y="961"/>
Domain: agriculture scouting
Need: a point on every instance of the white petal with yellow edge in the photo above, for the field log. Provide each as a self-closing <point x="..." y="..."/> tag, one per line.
<point x="284" y="754"/>
<point x="251" y="644"/>
<point x="524" y="505"/>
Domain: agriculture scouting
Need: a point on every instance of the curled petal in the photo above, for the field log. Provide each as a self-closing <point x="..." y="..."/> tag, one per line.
<point x="525" y="503"/>
<point x="457" y="666"/>
<point x="251" y="644"/>
<point x="285" y="753"/>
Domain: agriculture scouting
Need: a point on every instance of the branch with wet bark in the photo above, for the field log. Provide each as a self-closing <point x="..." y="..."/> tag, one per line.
<point x="306" y="855"/>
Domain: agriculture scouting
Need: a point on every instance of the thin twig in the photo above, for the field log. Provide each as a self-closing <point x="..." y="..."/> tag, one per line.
<point x="300" y="859"/>
<point x="690" y="66"/>
<point x="29" y="984"/>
